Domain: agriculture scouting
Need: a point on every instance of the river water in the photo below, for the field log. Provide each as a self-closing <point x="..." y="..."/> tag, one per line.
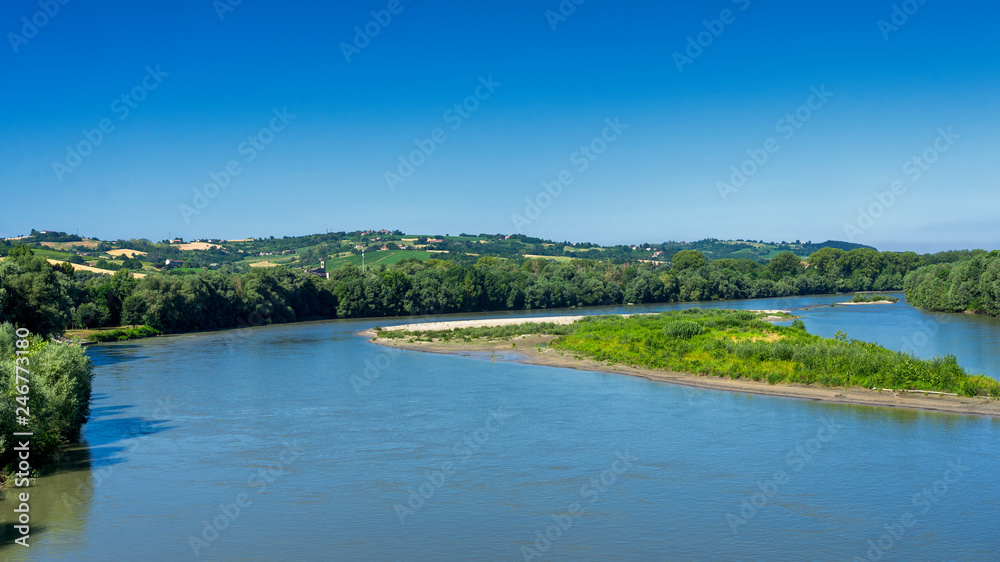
<point x="305" y="441"/>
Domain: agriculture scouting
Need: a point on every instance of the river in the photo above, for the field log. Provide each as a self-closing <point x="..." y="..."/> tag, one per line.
<point x="305" y="441"/>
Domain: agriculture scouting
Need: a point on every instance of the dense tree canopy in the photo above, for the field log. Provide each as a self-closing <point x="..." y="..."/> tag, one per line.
<point x="969" y="285"/>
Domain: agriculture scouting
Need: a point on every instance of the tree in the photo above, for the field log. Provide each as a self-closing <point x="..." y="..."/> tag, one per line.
<point x="33" y="296"/>
<point x="826" y="260"/>
<point x="688" y="259"/>
<point x="133" y="310"/>
<point x="19" y="251"/>
<point x="785" y="264"/>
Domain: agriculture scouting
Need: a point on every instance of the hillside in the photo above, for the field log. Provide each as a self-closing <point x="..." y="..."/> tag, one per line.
<point x="383" y="247"/>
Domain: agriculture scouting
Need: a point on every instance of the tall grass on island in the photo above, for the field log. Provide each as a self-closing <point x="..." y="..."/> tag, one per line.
<point x="738" y="344"/>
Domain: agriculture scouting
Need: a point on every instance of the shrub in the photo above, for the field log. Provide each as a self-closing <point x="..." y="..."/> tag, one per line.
<point x="59" y="396"/>
<point x="125" y="334"/>
<point x="682" y="329"/>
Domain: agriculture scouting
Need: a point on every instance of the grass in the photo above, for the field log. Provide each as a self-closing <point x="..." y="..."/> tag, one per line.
<point x="732" y="344"/>
<point x="556" y="258"/>
<point x="51" y="254"/>
<point x="388" y="257"/>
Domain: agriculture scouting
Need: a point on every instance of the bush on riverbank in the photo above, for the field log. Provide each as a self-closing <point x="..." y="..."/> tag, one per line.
<point x="58" y="402"/>
<point x="124" y="334"/>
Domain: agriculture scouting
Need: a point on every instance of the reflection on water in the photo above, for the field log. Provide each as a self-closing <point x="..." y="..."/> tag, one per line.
<point x="59" y="508"/>
<point x="185" y="427"/>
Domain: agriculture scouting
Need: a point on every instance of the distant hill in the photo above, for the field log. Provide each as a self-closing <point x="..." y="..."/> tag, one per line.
<point x="383" y="246"/>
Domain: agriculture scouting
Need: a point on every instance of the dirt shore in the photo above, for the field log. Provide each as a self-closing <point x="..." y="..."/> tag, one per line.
<point x="533" y="350"/>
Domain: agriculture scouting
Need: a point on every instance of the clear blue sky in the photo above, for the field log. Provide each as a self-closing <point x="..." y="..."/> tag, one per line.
<point x="892" y="89"/>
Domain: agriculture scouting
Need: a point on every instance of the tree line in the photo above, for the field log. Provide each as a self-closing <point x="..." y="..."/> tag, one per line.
<point x="50" y="299"/>
<point x="971" y="284"/>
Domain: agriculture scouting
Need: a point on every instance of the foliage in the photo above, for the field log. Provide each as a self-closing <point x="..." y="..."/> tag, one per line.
<point x="734" y="346"/>
<point x="483" y="332"/>
<point x="59" y="383"/>
<point x="688" y="259"/>
<point x="33" y="295"/>
<point x="873" y="297"/>
<point x="969" y="285"/>
<point x="123" y="334"/>
<point x="682" y="329"/>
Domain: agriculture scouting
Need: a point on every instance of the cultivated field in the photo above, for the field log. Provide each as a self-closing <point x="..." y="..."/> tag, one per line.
<point x="126" y="252"/>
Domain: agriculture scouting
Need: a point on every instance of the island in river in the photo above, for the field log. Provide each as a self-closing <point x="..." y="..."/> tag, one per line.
<point x="739" y="351"/>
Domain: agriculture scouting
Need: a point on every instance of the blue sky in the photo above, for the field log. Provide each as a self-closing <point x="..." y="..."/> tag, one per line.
<point x="203" y="92"/>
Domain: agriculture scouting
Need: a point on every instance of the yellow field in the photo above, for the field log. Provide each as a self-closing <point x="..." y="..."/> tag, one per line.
<point x="198" y="246"/>
<point x="264" y="263"/>
<point x="64" y="245"/>
<point x="80" y="267"/>
<point x="126" y="252"/>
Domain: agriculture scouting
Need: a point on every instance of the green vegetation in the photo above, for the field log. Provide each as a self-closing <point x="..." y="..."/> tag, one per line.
<point x="123" y="334"/>
<point x="728" y="343"/>
<point x="387" y="258"/>
<point x="484" y="332"/>
<point x="59" y="386"/>
<point x="49" y="299"/>
<point x="972" y="284"/>
<point x="737" y="344"/>
<point x="871" y="297"/>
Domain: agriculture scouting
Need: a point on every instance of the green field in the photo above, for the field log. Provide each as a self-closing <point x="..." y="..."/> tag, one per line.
<point x="373" y="258"/>
<point x="51" y="254"/>
<point x="556" y="258"/>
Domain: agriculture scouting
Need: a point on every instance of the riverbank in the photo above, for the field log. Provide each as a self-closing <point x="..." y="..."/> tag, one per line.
<point x="534" y="349"/>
